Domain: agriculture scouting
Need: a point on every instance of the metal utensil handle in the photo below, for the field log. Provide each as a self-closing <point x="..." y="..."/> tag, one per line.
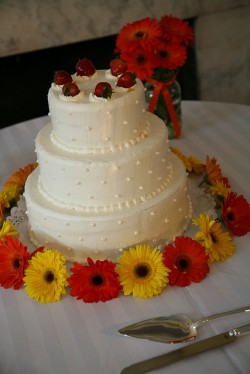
<point x="219" y="315"/>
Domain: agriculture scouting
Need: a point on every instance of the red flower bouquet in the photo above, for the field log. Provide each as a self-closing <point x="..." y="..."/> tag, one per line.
<point x="155" y="50"/>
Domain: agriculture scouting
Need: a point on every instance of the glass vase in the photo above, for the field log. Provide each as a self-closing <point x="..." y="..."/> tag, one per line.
<point x="161" y="109"/>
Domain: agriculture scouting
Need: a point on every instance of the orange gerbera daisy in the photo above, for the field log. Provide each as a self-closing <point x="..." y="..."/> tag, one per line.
<point x="19" y="178"/>
<point x="187" y="260"/>
<point x="236" y="214"/>
<point x="14" y="258"/>
<point x="213" y="171"/>
<point x="177" y="30"/>
<point x="170" y="55"/>
<point x="144" y="33"/>
<point x="94" y="282"/>
<point x="139" y="62"/>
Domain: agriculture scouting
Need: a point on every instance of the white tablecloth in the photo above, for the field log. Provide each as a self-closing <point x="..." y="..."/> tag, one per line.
<point x="72" y="337"/>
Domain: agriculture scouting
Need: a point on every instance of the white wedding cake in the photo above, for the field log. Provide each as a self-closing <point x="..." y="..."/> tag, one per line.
<point x="106" y="178"/>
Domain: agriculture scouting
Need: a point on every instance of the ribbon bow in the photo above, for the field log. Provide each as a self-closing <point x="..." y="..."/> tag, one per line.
<point x="163" y="87"/>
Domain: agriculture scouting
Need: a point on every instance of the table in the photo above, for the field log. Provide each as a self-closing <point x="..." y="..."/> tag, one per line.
<point x="73" y="337"/>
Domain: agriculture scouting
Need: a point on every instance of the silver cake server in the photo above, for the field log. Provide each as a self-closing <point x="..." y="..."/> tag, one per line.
<point x="176" y="328"/>
<point x="187" y="351"/>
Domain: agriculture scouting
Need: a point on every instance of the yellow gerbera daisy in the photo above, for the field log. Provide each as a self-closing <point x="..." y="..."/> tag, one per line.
<point x="196" y="165"/>
<point x="191" y="163"/>
<point x="183" y="158"/>
<point x="46" y="276"/>
<point x="218" y="244"/>
<point x="218" y="188"/>
<point x="142" y="272"/>
<point x="10" y="193"/>
<point x="7" y="229"/>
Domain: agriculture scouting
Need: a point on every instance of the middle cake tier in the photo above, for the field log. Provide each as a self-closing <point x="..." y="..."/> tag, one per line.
<point x="105" y="182"/>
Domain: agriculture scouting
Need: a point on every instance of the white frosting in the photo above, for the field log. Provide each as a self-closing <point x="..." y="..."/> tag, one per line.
<point x="134" y="176"/>
<point x="154" y="221"/>
<point x="87" y="123"/>
<point x="77" y="98"/>
<point x="109" y="75"/>
<point x="94" y="99"/>
<point x="106" y="178"/>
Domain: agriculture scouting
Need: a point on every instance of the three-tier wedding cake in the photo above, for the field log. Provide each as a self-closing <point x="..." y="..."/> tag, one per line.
<point x="106" y="178"/>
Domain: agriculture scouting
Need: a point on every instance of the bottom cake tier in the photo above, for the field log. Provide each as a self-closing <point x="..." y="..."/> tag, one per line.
<point x="78" y="235"/>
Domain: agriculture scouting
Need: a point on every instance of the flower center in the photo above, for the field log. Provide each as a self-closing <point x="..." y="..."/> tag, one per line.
<point x="142" y="270"/>
<point x="49" y="276"/>
<point x="140" y="34"/>
<point x="213" y="237"/>
<point x="163" y="54"/>
<point x="16" y="263"/>
<point x="230" y="216"/>
<point x="183" y="263"/>
<point x="141" y="59"/>
<point x="97" y="280"/>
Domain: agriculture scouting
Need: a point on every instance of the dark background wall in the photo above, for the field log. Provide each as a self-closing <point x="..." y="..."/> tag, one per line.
<point x="26" y="78"/>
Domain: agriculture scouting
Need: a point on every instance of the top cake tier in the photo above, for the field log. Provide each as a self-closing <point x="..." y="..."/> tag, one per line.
<point x="89" y="124"/>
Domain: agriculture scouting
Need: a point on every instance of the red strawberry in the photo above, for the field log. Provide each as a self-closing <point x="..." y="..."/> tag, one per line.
<point x="62" y="77"/>
<point x="85" y="67"/>
<point x="126" y="80"/>
<point x="70" y="89"/>
<point x="118" y="67"/>
<point x="103" y="89"/>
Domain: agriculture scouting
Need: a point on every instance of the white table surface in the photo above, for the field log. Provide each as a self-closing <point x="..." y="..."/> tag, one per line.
<point x="73" y="337"/>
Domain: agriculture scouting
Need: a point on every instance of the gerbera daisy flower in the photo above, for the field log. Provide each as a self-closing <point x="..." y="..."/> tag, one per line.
<point x="170" y="55"/>
<point x="213" y="172"/>
<point x="142" y="272"/>
<point x="139" y="62"/>
<point x="219" y="189"/>
<point x="19" y="178"/>
<point x="177" y="30"/>
<point x="94" y="282"/>
<point x="196" y="165"/>
<point x="218" y="244"/>
<point x="187" y="261"/>
<point x="183" y="158"/>
<point x="144" y="33"/>
<point x="7" y="229"/>
<point x="236" y="214"/>
<point x="14" y="260"/>
<point x="45" y="278"/>
<point x="10" y="195"/>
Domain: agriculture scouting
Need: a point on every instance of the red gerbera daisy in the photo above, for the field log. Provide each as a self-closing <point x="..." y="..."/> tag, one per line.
<point x="177" y="30"/>
<point x="144" y="33"/>
<point x="187" y="261"/>
<point x="139" y="62"/>
<point x="14" y="258"/>
<point x="170" y="55"/>
<point x="94" y="282"/>
<point x="236" y="214"/>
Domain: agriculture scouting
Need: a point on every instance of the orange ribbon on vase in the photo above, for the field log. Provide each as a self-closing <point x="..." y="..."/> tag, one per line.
<point x="163" y="87"/>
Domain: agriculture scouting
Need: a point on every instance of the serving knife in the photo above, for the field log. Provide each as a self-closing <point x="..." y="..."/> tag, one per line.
<point x="187" y="351"/>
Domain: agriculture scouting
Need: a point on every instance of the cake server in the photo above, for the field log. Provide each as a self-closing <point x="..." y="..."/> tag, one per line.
<point x="187" y="351"/>
<point x="176" y="328"/>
